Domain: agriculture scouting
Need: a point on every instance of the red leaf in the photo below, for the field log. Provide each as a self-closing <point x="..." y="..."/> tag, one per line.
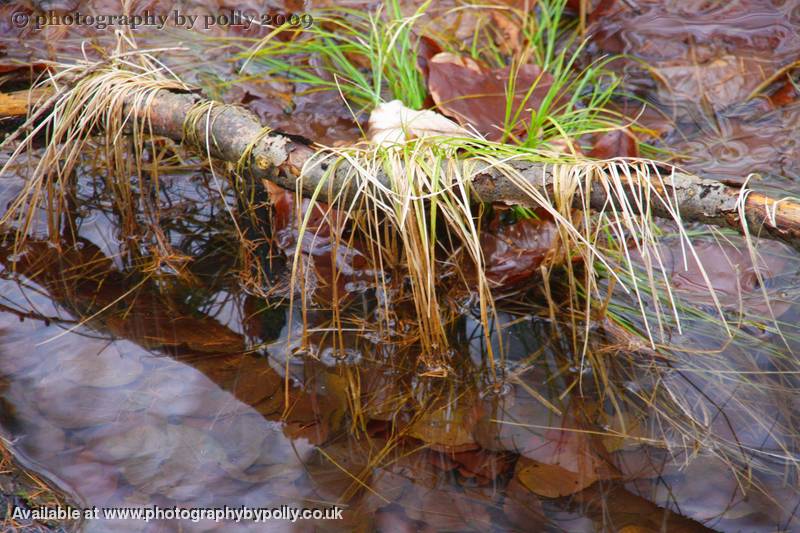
<point x="427" y="49"/>
<point x="514" y="251"/>
<point x="476" y="96"/>
<point x="785" y="95"/>
<point x="616" y="143"/>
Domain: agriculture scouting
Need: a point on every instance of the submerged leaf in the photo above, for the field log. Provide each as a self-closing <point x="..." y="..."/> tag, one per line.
<point x="722" y="81"/>
<point x="482" y="465"/>
<point x="552" y="481"/>
<point x="522" y="508"/>
<point x="515" y="251"/>
<point x="446" y="429"/>
<point x="730" y="271"/>
<point x="786" y="94"/>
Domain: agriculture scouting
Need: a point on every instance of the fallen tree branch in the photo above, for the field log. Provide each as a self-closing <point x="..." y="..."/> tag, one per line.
<point x="17" y="104"/>
<point x="231" y="132"/>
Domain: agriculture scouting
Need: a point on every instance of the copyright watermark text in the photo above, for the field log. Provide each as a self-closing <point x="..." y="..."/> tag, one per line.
<point x="148" y="19"/>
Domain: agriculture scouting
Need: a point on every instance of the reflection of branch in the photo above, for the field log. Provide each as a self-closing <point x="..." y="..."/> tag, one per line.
<point x="84" y="280"/>
<point x="36" y="316"/>
<point x="615" y="507"/>
<point x="231" y="133"/>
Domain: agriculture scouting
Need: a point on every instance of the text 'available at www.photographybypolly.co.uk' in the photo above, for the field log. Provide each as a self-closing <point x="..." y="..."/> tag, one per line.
<point x="193" y="514"/>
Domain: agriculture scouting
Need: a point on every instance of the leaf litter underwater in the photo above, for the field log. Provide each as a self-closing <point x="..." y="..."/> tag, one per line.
<point x="176" y="386"/>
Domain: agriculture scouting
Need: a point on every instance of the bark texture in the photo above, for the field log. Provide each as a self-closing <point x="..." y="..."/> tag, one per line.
<point x="16" y="104"/>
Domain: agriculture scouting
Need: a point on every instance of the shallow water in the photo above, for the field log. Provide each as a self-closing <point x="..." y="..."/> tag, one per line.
<point x="158" y="403"/>
<point x="127" y="390"/>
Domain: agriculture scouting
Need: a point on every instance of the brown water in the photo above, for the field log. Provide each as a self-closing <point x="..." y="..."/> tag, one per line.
<point x="131" y="390"/>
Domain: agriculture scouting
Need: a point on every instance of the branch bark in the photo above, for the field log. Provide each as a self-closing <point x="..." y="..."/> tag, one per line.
<point x="16" y="104"/>
<point x="280" y="159"/>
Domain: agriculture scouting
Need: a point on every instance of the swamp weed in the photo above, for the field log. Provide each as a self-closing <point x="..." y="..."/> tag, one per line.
<point x="366" y="56"/>
<point x="409" y="188"/>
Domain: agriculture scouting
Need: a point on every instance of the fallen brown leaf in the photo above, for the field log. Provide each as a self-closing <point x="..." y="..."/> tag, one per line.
<point x="552" y="481"/>
<point x="476" y="95"/>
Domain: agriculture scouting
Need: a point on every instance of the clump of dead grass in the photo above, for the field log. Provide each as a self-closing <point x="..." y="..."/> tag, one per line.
<point x="419" y="193"/>
<point x="94" y="97"/>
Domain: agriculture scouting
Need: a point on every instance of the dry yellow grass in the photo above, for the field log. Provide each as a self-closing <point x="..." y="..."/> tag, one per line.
<point x="22" y="487"/>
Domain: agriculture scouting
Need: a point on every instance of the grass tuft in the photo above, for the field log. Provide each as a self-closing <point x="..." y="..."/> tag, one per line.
<point x="91" y="97"/>
<point x="362" y="55"/>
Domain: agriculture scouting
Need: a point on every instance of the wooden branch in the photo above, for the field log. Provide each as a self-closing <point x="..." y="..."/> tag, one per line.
<point x="16" y="104"/>
<point x="281" y="158"/>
